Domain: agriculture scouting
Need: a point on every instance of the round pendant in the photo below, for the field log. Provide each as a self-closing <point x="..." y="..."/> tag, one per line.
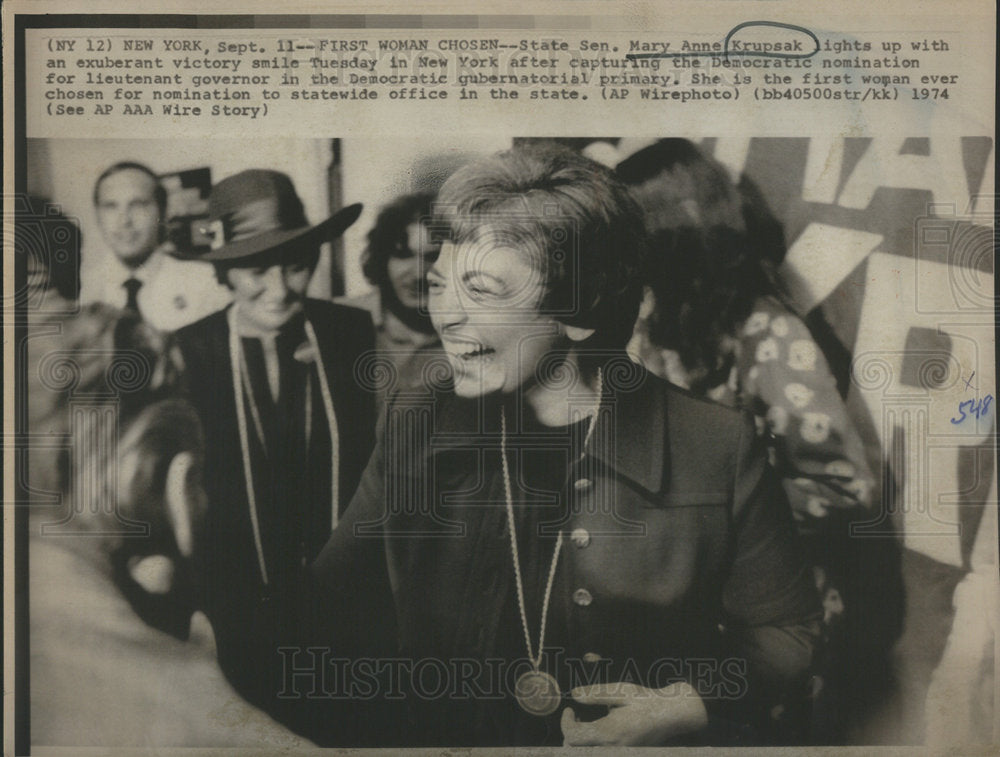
<point x="538" y="693"/>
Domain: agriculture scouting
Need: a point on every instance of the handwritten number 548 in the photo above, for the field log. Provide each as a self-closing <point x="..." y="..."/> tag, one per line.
<point x="978" y="408"/>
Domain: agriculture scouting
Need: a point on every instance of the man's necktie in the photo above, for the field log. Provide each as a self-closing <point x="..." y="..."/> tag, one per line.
<point x="132" y="287"/>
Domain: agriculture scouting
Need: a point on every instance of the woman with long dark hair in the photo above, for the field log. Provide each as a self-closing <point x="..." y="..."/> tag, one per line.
<point x="401" y="247"/>
<point x="716" y="321"/>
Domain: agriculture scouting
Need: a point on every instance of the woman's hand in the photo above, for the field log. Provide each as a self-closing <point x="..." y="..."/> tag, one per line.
<point x="638" y="716"/>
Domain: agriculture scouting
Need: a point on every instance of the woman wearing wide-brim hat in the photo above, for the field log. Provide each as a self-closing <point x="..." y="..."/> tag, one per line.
<point x="287" y="427"/>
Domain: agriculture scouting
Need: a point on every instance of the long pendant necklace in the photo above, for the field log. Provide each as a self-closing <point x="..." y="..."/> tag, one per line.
<point x="243" y="393"/>
<point x="536" y="691"/>
<point x="331" y="418"/>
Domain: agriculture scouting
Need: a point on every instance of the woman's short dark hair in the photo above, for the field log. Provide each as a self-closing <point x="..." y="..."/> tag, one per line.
<point x="307" y="255"/>
<point x="388" y="235"/>
<point x="576" y="219"/>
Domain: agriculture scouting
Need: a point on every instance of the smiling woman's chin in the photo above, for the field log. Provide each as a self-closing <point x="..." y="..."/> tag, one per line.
<point x="469" y="382"/>
<point x="263" y="319"/>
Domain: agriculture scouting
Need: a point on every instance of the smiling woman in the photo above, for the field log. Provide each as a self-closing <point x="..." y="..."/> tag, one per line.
<point x="268" y="295"/>
<point x="484" y="302"/>
<point x="287" y="429"/>
<point x="621" y="567"/>
<point x="544" y="256"/>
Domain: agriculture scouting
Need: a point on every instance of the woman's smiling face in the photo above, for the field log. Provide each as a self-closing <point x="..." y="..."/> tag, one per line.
<point x="484" y="301"/>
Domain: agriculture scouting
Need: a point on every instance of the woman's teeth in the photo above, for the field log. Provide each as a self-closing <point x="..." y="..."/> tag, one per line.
<point x="473" y="354"/>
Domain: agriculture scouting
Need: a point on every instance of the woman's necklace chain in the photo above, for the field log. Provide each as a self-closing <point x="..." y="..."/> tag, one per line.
<point x="537" y="692"/>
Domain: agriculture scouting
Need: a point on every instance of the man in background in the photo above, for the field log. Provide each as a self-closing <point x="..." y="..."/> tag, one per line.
<point x="140" y="274"/>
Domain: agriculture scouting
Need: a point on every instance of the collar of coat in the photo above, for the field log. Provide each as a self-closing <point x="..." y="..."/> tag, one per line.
<point x="633" y="420"/>
<point x="330" y="331"/>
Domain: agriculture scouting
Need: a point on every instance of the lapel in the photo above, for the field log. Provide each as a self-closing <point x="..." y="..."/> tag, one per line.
<point x="635" y="423"/>
<point x="217" y="371"/>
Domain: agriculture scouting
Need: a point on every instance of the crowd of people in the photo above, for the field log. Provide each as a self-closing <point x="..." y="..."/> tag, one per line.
<point x="569" y="474"/>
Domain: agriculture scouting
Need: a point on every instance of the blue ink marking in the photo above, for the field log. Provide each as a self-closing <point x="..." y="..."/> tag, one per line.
<point x="978" y="408"/>
<point x="725" y="49"/>
<point x="968" y="381"/>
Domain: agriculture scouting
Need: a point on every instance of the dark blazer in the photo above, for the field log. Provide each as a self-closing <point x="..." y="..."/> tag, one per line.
<point x="680" y="562"/>
<point x="242" y="609"/>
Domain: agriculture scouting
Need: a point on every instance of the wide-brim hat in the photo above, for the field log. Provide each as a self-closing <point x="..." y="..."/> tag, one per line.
<point x="258" y="211"/>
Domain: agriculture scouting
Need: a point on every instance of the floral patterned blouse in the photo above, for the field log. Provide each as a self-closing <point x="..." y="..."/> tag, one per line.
<point x="782" y="377"/>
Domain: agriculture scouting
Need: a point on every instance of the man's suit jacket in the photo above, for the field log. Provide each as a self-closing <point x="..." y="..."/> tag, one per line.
<point x="174" y="292"/>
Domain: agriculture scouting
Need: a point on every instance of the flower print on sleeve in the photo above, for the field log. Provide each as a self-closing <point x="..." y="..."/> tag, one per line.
<point x="786" y="381"/>
<point x="802" y="354"/>
<point x="756" y="323"/>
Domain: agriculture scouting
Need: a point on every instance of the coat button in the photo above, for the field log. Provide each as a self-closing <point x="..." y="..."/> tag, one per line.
<point x="582" y="597"/>
<point x="591" y="657"/>
<point x="582" y="484"/>
<point x="580" y="537"/>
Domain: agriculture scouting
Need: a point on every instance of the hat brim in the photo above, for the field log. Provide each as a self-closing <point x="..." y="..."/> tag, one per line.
<point x="269" y="241"/>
